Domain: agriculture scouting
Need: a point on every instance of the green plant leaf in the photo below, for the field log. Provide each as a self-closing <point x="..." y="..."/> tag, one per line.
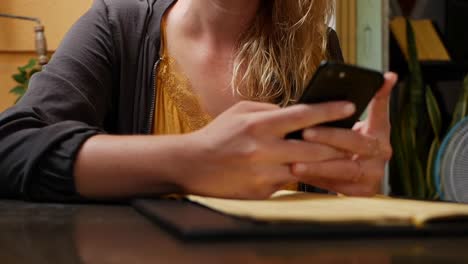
<point x="18" y="90"/>
<point x="408" y="143"/>
<point x="20" y="78"/>
<point x="33" y="71"/>
<point x="415" y="82"/>
<point x="436" y="123"/>
<point x="415" y="165"/>
<point x="21" y="70"/>
<point x="23" y="76"/>
<point x="434" y="112"/>
<point x="400" y="183"/>
<point x="19" y="98"/>
<point x="461" y="107"/>
<point x="402" y="171"/>
<point x="30" y="65"/>
<point x="414" y="113"/>
<point x="419" y="174"/>
<point x="435" y="146"/>
<point x="465" y="83"/>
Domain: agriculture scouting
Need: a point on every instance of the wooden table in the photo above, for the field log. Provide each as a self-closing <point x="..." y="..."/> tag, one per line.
<point x="88" y="234"/>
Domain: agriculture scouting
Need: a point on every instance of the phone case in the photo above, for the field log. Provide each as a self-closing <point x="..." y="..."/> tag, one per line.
<point x="341" y="82"/>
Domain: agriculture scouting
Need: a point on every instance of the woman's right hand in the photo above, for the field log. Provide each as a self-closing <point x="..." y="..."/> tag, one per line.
<point x="243" y="154"/>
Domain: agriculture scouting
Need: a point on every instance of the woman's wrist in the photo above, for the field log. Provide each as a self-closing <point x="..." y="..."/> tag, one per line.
<point x="177" y="157"/>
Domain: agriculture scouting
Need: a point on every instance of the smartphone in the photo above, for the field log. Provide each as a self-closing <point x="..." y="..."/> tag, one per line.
<point x="335" y="81"/>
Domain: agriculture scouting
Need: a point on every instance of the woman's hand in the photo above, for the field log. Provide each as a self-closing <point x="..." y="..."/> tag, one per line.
<point x="368" y="147"/>
<point x="243" y="154"/>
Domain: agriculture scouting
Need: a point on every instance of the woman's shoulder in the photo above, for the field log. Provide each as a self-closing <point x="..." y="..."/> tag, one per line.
<point x="133" y="16"/>
<point x="130" y="8"/>
<point x="124" y="7"/>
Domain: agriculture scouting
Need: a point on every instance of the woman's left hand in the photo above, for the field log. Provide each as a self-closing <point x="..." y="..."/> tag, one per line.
<point x="368" y="145"/>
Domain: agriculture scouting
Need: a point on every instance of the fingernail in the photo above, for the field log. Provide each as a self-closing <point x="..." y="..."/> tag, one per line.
<point x="300" y="168"/>
<point x="391" y="75"/>
<point x="310" y="133"/>
<point x="349" y="109"/>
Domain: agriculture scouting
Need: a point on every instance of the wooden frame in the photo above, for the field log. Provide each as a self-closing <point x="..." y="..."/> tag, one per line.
<point x="346" y="21"/>
<point x="373" y="34"/>
<point x="362" y="26"/>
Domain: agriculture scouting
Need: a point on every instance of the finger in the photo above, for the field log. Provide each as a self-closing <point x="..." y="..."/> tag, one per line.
<point x="390" y="79"/>
<point x="378" y="108"/>
<point x="296" y="117"/>
<point x="359" y="126"/>
<point x="342" y="171"/>
<point x="369" y="184"/>
<point x="344" y="139"/>
<point x="251" y="106"/>
<point x="352" y="189"/>
<point x="271" y="179"/>
<point x="282" y="176"/>
<point x="294" y="151"/>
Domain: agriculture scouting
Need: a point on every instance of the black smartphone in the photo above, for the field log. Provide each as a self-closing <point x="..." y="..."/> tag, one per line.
<point x="335" y="81"/>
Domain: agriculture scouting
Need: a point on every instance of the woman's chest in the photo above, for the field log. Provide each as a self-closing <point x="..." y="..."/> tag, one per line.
<point x="210" y="82"/>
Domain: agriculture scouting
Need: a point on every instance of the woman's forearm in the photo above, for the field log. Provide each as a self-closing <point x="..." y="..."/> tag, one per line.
<point x="122" y="166"/>
<point x="241" y="154"/>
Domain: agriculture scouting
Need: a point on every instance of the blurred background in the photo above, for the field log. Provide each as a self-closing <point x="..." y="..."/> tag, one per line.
<point x="17" y="37"/>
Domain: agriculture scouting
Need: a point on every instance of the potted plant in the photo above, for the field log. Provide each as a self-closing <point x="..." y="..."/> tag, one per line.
<point x="23" y="76"/>
<point x="417" y="130"/>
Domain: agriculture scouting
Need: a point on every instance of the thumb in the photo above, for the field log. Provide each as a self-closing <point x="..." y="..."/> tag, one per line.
<point x="378" y="108"/>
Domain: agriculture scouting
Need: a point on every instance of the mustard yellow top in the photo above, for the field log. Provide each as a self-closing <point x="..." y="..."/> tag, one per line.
<point x="177" y="109"/>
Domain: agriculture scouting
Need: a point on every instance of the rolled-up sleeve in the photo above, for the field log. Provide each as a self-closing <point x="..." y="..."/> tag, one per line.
<point x="66" y="103"/>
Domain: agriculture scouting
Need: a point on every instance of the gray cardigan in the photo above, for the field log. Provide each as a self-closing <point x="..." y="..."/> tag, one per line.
<point x="100" y="80"/>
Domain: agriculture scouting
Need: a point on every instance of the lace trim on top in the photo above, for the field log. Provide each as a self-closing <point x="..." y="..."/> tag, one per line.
<point x="179" y="107"/>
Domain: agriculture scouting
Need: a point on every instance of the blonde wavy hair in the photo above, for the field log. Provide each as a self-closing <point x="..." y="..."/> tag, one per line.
<point x="279" y="53"/>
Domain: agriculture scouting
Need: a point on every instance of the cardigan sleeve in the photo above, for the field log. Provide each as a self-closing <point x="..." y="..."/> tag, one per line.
<point x="65" y="104"/>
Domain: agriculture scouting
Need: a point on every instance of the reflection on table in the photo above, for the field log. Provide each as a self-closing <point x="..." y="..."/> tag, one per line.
<point x="32" y="233"/>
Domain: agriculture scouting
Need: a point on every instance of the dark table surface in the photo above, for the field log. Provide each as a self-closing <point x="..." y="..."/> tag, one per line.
<point x="86" y="234"/>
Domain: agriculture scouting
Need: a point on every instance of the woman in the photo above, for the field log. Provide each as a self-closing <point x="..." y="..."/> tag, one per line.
<point x="208" y="78"/>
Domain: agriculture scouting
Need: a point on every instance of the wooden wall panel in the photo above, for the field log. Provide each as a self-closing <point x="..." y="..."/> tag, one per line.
<point x="56" y="15"/>
<point x="17" y="37"/>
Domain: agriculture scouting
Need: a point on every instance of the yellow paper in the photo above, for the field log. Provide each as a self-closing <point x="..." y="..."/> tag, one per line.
<point x="322" y="208"/>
